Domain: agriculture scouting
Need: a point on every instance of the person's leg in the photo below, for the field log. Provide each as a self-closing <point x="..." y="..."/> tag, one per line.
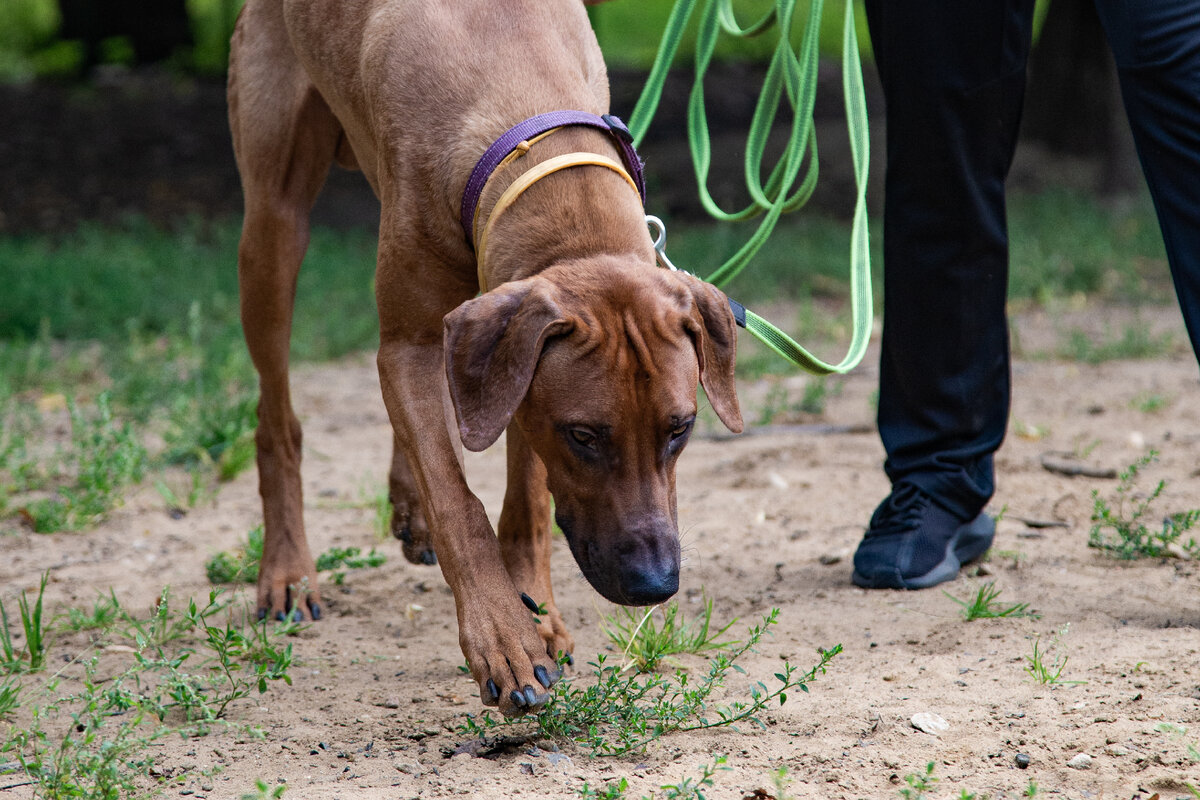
<point x="1157" y="50"/>
<point x="953" y="76"/>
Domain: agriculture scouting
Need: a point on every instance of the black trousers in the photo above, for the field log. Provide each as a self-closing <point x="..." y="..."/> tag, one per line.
<point x="953" y="75"/>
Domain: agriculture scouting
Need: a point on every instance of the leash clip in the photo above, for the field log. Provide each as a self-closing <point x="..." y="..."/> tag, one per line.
<point x="660" y="242"/>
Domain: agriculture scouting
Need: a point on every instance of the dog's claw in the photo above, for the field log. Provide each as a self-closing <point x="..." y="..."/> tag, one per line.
<point x="493" y="694"/>
<point x="529" y="603"/>
<point x="543" y="676"/>
<point x="518" y="699"/>
<point x="531" y="698"/>
<point x="315" y="610"/>
<point x="262" y="614"/>
<point x="428" y="557"/>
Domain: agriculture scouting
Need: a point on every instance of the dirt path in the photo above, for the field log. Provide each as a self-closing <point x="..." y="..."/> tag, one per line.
<point x="768" y="521"/>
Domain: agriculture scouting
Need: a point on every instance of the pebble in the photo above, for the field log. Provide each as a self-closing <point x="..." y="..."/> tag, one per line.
<point x="927" y="722"/>
<point x="409" y="768"/>
<point x="1022" y="760"/>
<point x="1080" y="761"/>
<point x="829" y="559"/>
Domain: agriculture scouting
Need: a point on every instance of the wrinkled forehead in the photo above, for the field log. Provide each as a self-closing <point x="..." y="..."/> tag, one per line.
<point x="634" y="359"/>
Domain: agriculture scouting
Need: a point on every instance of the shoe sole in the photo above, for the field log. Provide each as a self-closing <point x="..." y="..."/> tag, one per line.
<point x="970" y="541"/>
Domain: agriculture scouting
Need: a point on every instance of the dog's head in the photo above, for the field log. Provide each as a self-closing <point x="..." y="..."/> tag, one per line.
<point x="599" y="369"/>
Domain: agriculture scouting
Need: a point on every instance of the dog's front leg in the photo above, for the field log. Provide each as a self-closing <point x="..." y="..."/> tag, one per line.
<point x="524" y="533"/>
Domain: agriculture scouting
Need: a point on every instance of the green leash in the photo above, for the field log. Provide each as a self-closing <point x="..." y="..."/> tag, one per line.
<point x="794" y="176"/>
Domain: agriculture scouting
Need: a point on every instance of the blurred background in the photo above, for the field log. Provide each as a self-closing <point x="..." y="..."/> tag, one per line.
<point x="120" y="203"/>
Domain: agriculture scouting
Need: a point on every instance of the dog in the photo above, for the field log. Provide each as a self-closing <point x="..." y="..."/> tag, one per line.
<point x="562" y="331"/>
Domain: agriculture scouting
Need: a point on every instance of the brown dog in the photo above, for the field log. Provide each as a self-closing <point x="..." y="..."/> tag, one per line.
<point x="586" y="351"/>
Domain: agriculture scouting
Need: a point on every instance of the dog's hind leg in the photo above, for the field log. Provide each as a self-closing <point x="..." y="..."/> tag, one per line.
<point x="285" y="138"/>
<point x="408" y="518"/>
<point x="524" y="533"/>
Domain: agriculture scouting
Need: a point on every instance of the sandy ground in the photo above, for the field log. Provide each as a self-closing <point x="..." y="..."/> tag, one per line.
<point x="769" y="520"/>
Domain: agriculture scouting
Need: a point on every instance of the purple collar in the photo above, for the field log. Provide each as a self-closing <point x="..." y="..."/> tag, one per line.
<point x="527" y="130"/>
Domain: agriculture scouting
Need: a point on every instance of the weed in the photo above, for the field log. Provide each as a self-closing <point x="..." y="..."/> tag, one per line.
<point x="12" y="661"/>
<point x="184" y="672"/>
<point x="1135" y="342"/>
<point x="777" y="403"/>
<point x="1046" y="665"/>
<point x="1149" y="402"/>
<point x="1032" y="789"/>
<point x="919" y="784"/>
<point x="335" y="558"/>
<point x="242" y="564"/>
<point x="689" y="787"/>
<point x="105" y="614"/>
<point x="1119" y="532"/>
<point x="645" y="643"/>
<point x="984" y="606"/>
<point x="623" y="713"/>
<point x="264" y="791"/>
<point x="10" y="697"/>
<point x="239" y="566"/>
<point x="106" y="457"/>
<point x="613" y="791"/>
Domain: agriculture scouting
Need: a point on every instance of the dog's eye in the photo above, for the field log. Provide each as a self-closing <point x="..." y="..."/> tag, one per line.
<point x="681" y="430"/>
<point x="583" y="438"/>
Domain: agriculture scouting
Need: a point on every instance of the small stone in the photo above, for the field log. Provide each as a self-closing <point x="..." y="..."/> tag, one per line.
<point x="1080" y="761"/>
<point x="1115" y="750"/>
<point x="930" y="723"/>
<point x="390" y="702"/>
<point x="408" y="768"/>
<point x="829" y="559"/>
<point x="1022" y="760"/>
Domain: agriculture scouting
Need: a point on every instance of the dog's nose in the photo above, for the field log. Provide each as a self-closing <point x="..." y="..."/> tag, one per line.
<point x="649" y="587"/>
<point x="649" y="568"/>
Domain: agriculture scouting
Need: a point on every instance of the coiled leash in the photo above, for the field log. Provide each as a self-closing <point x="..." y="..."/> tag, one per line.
<point x="787" y="74"/>
<point x="796" y="77"/>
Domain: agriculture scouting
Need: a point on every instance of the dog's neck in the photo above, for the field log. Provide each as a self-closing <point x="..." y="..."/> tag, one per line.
<point x="577" y="213"/>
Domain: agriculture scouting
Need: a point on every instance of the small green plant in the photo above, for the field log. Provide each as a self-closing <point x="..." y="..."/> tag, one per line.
<point x="264" y="791"/>
<point x="105" y="458"/>
<point x="1032" y="789"/>
<point x="624" y="712"/>
<point x="241" y="565"/>
<point x="1119" y="531"/>
<point x="34" y="656"/>
<point x="984" y="605"/>
<point x="106" y="613"/>
<point x="336" y="559"/>
<point x="919" y="784"/>
<point x="10" y="697"/>
<point x="183" y="671"/>
<point x="238" y="566"/>
<point x="1149" y="402"/>
<point x="645" y="643"/>
<point x="1046" y="665"/>
<point x="689" y="787"/>
<point x="1134" y="342"/>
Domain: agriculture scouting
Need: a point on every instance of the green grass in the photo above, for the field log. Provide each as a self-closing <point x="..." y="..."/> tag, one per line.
<point x="624" y="711"/>
<point x="645" y="642"/>
<point x="90" y="729"/>
<point x="241" y="564"/>
<point x="984" y="605"/>
<point x="1118" y="526"/>
<point x="1046" y="664"/>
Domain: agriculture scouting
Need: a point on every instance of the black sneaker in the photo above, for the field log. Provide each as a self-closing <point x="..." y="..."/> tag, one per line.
<point x="914" y="543"/>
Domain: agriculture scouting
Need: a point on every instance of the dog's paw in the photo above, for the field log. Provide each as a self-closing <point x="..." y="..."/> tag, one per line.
<point x="288" y="589"/>
<point x="508" y="659"/>
<point x="550" y="626"/>
<point x="415" y="539"/>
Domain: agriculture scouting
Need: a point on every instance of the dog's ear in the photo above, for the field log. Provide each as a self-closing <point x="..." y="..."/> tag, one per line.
<point x="714" y="333"/>
<point x="492" y="345"/>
